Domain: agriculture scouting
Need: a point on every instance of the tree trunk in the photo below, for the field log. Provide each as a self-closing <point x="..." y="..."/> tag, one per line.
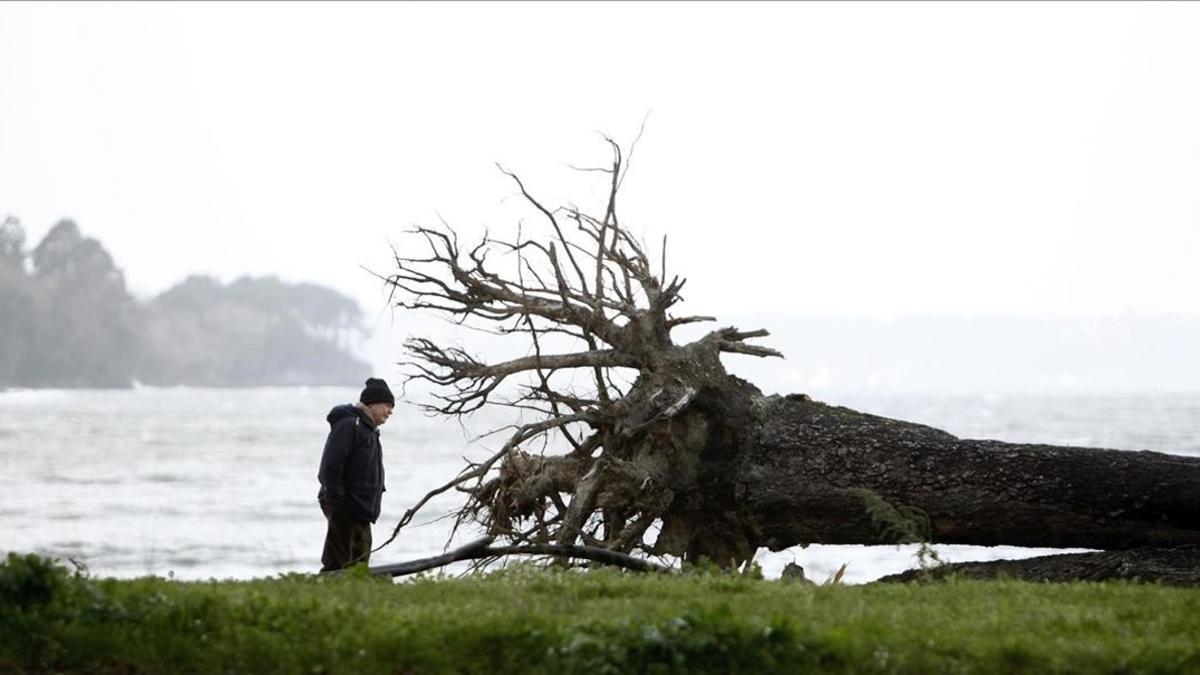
<point x="824" y="474"/>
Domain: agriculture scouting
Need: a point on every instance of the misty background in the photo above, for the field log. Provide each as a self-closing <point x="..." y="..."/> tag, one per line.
<point x="70" y="321"/>
<point x="909" y="196"/>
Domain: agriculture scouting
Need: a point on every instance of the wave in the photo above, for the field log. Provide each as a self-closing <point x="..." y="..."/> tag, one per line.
<point x="34" y="395"/>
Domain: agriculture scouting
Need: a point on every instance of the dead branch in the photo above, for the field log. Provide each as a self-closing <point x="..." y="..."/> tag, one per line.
<point x="482" y="549"/>
<point x="593" y="287"/>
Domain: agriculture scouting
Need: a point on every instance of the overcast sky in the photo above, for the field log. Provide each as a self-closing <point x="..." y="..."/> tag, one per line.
<point x="874" y="159"/>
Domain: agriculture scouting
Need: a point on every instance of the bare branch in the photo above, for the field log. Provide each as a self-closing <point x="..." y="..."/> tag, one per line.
<point x="595" y="300"/>
<point x="671" y="323"/>
<point x="752" y="350"/>
<point x="731" y="340"/>
<point x="481" y="548"/>
<point x="550" y="217"/>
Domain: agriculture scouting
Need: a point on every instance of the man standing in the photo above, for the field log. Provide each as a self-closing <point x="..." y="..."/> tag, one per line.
<point x="351" y="475"/>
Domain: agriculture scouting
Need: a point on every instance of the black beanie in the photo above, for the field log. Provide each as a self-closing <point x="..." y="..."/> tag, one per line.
<point x="376" y="392"/>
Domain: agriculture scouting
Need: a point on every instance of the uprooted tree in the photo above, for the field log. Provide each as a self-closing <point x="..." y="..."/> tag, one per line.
<point x="644" y="446"/>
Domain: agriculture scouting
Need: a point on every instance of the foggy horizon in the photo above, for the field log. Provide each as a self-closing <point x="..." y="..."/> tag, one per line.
<point x="920" y="353"/>
<point x="148" y="292"/>
<point x="814" y="162"/>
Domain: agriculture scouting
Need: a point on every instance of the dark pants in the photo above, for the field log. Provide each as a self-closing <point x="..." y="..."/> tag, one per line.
<point x="345" y="540"/>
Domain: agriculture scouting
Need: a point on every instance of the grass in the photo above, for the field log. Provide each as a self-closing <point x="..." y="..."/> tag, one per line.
<point x="526" y="620"/>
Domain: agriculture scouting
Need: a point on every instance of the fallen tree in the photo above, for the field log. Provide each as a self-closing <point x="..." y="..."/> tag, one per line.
<point x="663" y="452"/>
<point x="820" y="473"/>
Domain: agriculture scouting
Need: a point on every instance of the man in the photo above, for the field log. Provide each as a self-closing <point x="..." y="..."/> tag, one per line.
<point x="351" y="475"/>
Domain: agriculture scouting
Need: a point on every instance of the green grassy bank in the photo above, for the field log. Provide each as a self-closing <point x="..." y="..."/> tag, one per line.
<point x="600" y="622"/>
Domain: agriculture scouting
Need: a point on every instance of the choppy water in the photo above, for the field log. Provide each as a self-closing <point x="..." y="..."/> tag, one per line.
<point x="201" y="483"/>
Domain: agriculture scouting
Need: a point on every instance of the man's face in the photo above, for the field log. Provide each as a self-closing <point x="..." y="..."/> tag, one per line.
<point x="380" y="412"/>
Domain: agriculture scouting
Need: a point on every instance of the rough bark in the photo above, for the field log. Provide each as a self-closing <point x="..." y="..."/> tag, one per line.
<point x="826" y="474"/>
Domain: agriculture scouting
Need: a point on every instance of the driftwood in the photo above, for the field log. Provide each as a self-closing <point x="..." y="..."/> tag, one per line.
<point x="482" y="549"/>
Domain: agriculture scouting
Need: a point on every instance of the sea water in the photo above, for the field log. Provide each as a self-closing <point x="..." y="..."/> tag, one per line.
<point x="221" y="483"/>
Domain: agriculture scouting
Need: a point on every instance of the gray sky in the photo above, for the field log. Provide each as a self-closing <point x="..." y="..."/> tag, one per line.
<point x="873" y="159"/>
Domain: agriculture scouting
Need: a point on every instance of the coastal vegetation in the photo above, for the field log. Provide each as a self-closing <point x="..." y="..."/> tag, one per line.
<point x="70" y="321"/>
<point x="531" y="620"/>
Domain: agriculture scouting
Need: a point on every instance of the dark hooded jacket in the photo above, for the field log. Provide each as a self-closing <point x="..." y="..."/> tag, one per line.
<point x="351" y="471"/>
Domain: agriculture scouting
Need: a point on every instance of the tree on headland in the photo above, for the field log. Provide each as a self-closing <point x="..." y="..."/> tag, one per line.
<point x="67" y="320"/>
<point x="87" y="325"/>
<point x="251" y="331"/>
<point x="636" y="444"/>
<point x="16" y="302"/>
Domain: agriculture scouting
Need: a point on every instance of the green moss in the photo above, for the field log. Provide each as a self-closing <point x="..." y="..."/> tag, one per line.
<point x="551" y="621"/>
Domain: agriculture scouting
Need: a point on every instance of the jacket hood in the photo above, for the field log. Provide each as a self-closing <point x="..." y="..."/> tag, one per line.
<point x="341" y="412"/>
